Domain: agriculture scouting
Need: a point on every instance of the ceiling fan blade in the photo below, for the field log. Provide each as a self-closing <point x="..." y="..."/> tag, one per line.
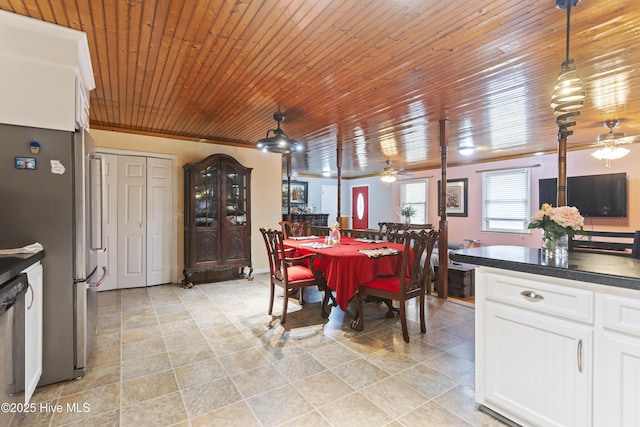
<point x="624" y="140"/>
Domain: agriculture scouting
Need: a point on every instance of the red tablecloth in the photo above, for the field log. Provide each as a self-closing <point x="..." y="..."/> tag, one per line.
<point x="346" y="268"/>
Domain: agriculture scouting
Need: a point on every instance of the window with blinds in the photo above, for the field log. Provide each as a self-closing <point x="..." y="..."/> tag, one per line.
<point x="505" y="202"/>
<point x="414" y="193"/>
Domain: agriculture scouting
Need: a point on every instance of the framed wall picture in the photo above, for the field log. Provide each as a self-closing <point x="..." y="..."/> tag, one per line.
<point x="455" y="197"/>
<point x="299" y="193"/>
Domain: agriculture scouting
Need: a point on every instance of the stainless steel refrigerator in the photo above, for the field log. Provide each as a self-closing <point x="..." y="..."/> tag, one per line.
<point x="51" y="187"/>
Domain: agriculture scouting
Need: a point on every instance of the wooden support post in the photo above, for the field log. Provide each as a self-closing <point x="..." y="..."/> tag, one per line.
<point x="339" y="166"/>
<point x="289" y="187"/>
<point x="562" y="170"/>
<point x="443" y="243"/>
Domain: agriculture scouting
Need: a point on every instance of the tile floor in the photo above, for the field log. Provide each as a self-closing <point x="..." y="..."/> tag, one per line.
<point x="210" y="356"/>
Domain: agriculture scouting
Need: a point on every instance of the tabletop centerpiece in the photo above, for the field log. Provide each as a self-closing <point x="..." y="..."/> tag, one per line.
<point x="558" y="225"/>
<point x="334" y="234"/>
<point x="407" y="212"/>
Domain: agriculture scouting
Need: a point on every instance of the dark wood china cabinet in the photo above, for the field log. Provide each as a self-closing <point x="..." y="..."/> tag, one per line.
<point x="217" y="216"/>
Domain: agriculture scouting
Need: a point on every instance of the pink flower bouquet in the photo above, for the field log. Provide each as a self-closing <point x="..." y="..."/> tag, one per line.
<point x="558" y="221"/>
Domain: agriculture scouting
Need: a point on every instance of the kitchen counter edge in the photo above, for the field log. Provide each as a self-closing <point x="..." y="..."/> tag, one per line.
<point x="12" y="265"/>
<point x="611" y="270"/>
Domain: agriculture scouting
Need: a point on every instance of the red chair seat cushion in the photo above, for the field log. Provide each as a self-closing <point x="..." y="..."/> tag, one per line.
<point x="388" y="283"/>
<point x="299" y="273"/>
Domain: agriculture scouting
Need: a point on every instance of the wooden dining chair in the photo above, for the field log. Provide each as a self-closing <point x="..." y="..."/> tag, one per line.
<point x="295" y="229"/>
<point x="391" y="232"/>
<point x="411" y="282"/>
<point x="289" y="273"/>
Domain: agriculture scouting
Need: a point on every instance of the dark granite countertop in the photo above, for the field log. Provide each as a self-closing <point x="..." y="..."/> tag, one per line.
<point x="11" y="265"/>
<point x="611" y="270"/>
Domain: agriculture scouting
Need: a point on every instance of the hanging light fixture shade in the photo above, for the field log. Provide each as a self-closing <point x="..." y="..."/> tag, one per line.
<point x="279" y="141"/>
<point x="611" y="150"/>
<point x="387" y="177"/>
<point x="568" y="94"/>
<point x="388" y="174"/>
<point x="610" y="153"/>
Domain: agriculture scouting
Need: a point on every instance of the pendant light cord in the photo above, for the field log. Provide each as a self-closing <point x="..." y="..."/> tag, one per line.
<point x="568" y="22"/>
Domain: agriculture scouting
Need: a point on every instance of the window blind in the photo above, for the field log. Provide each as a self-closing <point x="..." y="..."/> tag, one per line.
<point x="414" y="193"/>
<point x="506" y="195"/>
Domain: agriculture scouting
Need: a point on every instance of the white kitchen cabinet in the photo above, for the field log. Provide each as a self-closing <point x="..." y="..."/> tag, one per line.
<point x="618" y="371"/>
<point x="534" y="354"/>
<point x="33" y="330"/>
<point x="553" y="351"/>
<point x="46" y="74"/>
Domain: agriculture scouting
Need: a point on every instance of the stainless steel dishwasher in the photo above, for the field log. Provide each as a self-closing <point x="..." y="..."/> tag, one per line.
<point x="12" y="321"/>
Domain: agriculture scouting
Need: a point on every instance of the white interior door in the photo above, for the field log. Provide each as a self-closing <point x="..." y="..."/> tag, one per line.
<point x="132" y="222"/>
<point x="109" y="257"/>
<point x="159" y="192"/>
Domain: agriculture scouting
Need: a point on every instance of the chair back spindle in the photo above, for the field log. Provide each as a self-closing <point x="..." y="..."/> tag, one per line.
<point x="295" y="229"/>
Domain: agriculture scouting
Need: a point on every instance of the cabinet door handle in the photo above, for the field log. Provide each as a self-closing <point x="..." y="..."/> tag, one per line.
<point x="531" y="296"/>
<point x="579" y="355"/>
<point x="33" y="296"/>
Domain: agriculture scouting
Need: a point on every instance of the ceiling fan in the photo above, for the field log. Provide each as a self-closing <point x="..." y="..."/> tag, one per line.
<point x="612" y="143"/>
<point x="388" y="174"/>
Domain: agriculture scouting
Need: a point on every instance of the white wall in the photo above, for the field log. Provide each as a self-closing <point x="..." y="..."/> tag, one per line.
<point x="266" y="184"/>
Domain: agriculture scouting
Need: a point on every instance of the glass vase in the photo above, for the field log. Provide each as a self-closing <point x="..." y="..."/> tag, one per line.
<point x="555" y="246"/>
<point x="407" y="220"/>
<point x="335" y="236"/>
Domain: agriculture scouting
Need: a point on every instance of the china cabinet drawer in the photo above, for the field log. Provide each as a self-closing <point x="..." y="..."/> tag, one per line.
<point x="622" y="314"/>
<point x="569" y="303"/>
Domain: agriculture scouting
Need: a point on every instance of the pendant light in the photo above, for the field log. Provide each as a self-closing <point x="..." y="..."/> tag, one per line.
<point x="568" y="95"/>
<point x="279" y="142"/>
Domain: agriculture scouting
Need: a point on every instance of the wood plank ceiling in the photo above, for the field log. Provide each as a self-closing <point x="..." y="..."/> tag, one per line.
<point x="375" y="75"/>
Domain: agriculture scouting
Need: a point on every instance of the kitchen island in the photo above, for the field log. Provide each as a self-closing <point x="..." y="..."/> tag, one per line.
<point x="557" y="342"/>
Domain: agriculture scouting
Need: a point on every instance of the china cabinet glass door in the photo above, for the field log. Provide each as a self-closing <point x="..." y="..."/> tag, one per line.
<point x="205" y="197"/>
<point x="236" y="194"/>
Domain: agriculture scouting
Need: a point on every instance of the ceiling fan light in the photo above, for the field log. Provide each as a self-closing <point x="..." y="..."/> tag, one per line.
<point x="610" y="153"/>
<point x="387" y="177"/>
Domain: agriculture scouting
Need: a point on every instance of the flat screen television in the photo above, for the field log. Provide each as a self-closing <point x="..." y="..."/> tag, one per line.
<point x="593" y="195"/>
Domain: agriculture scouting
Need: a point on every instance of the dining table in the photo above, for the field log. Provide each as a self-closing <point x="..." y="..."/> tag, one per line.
<point x="350" y="263"/>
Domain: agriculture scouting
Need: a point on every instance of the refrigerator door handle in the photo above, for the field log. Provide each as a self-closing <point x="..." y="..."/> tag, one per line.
<point x="103" y="203"/>
<point x="104" y="275"/>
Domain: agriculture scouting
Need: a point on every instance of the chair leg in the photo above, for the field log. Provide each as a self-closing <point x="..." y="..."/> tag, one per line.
<point x="326" y="306"/>
<point x="403" y="321"/>
<point x="392" y="310"/>
<point x="423" y="324"/>
<point x="301" y="297"/>
<point x="284" y="307"/>
<point x="358" y="321"/>
<point x="272" y="294"/>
